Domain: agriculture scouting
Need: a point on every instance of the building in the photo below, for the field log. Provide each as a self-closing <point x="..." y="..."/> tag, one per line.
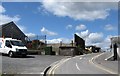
<point x="93" y="49"/>
<point x="77" y="48"/>
<point x="90" y="48"/>
<point x="10" y="30"/>
<point x="115" y="47"/>
<point x="79" y="43"/>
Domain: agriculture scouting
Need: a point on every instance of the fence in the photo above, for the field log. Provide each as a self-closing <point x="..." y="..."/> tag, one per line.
<point x="36" y="42"/>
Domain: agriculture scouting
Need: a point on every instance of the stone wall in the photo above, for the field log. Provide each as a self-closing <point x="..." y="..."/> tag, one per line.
<point x="67" y="51"/>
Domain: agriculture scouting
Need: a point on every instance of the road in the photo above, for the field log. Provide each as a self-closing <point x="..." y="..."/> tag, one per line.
<point x="32" y="64"/>
<point x="85" y="64"/>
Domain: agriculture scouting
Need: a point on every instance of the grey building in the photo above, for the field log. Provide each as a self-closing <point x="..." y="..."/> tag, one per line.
<point x="10" y="30"/>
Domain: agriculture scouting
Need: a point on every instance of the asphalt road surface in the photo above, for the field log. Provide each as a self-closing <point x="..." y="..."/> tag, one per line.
<point x="91" y="64"/>
<point x="32" y="64"/>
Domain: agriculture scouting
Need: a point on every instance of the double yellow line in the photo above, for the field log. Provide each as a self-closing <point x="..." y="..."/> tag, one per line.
<point x="51" y="72"/>
<point x="100" y="66"/>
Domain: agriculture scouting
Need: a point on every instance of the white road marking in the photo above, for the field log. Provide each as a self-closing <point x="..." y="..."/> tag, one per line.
<point x="75" y="57"/>
<point x="52" y="70"/>
<point x="100" y="67"/>
<point x="51" y="65"/>
<point x="60" y="64"/>
<point x="77" y="67"/>
<point x="42" y="73"/>
<point x="109" y="57"/>
<point x="80" y="58"/>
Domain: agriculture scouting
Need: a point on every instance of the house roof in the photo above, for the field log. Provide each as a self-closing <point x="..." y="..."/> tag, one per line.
<point x="3" y="26"/>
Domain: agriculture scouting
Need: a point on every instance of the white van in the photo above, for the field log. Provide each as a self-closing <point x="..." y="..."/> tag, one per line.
<point x="12" y="47"/>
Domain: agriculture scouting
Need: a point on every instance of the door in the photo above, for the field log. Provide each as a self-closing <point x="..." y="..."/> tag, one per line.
<point x="7" y="46"/>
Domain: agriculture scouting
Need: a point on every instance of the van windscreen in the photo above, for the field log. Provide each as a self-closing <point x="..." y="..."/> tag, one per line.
<point x="17" y="43"/>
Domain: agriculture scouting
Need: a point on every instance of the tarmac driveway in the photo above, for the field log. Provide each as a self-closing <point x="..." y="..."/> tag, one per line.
<point x="32" y="64"/>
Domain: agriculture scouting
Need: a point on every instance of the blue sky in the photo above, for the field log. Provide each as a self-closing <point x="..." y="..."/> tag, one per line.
<point x="95" y="22"/>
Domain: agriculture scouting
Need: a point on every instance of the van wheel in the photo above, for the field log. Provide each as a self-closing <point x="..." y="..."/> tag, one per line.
<point x="3" y="54"/>
<point x="10" y="54"/>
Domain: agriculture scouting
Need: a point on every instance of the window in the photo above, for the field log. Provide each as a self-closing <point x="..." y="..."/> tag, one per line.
<point x="17" y="43"/>
<point x="7" y="43"/>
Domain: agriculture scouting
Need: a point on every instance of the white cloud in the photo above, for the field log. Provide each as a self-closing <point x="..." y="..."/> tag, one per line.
<point x="30" y="35"/>
<point x="58" y="40"/>
<point x="54" y="41"/>
<point x="107" y="39"/>
<point x="105" y="44"/>
<point x="2" y="10"/>
<point x="47" y="32"/>
<point x="5" y="18"/>
<point x="83" y="34"/>
<point x="81" y="27"/>
<point x="91" y="38"/>
<point x="79" y="10"/>
<point x="69" y="26"/>
<point x="95" y="38"/>
<point x="109" y="27"/>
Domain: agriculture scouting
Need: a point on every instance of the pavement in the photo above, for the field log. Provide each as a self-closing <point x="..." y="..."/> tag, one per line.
<point x="89" y="64"/>
<point x="107" y="64"/>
